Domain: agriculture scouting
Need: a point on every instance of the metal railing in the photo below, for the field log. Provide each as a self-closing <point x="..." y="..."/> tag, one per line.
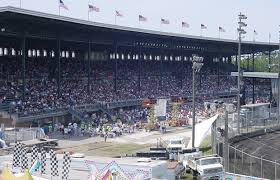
<point x="242" y="156"/>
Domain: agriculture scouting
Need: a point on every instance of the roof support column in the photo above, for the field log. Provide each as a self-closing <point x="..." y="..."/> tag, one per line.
<point x="23" y="66"/>
<point x="161" y="70"/>
<point x="88" y="67"/>
<point x="248" y="63"/>
<point x="58" y="53"/>
<point x="229" y="60"/>
<point x="116" y="67"/>
<point x="182" y="71"/>
<point x="269" y="69"/>
<point x="253" y="78"/>
<point x="236" y="59"/>
<point x="218" y="71"/>
<point x="139" y="70"/>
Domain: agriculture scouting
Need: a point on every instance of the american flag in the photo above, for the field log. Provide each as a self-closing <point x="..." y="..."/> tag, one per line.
<point x="118" y="13"/>
<point x="93" y="8"/>
<point x="185" y="24"/>
<point x="202" y="26"/>
<point x="62" y="5"/>
<point x="222" y="29"/>
<point x="255" y="32"/>
<point x="164" y="21"/>
<point x="142" y="18"/>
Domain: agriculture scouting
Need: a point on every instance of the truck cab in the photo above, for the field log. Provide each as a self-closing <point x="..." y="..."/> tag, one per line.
<point x="207" y="167"/>
<point x="177" y="144"/>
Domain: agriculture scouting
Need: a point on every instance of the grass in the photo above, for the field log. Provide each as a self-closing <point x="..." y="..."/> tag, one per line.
<point x="108" y="149"/>
<point x="119" y="149"/>
<point x="187" y="177"/>
<point x="205" y="146"/>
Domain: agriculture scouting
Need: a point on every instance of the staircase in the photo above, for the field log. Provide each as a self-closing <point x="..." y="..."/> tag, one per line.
<point x="5" y="105"/>
<point x="77" y="114"/>
<point x="106" y="111"/>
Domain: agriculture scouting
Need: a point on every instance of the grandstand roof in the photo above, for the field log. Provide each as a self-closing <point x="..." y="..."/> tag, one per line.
<point x="265" y="75"/>
<point x="39" y="25"/>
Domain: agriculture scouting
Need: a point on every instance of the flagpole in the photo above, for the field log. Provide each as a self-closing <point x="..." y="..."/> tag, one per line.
<point x="115" y="17"/>
<point x="88" y="8"/>
<point x="20" y="3"/>
<point x="88" y="15"/>
<point x="200" y="31"/>
<point x="59" y="10"/>
<point x="219" y="34"/>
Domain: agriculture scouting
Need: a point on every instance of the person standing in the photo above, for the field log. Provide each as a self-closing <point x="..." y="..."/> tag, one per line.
<point x="65" y="132"/>
<point x="105" y="136"/>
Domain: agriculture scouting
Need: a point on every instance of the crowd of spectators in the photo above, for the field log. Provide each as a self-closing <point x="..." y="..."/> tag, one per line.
<point x="156" y="80"/>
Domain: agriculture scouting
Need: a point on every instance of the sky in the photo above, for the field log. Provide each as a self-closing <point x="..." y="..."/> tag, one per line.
<point x="263" y="15"/>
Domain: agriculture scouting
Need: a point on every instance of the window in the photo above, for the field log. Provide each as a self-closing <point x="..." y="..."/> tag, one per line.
<point x="38" y="53"/>
<point x="5" y="51"/>
<point x="44" y="53"/>
<point x="67" y="54"/>
<point x="63" y="54"/>
<point x="13" y="52"/>
<point x="29" y="53"/>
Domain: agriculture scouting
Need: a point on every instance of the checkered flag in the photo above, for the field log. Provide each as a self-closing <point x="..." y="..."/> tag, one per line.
<point x="66" y="165"/>
<point x="17" y="154"/>
<point x="43" y="161"/>
<point x="24" y="159"/>
<point x="34" y="154"/>
<point x="54" y="164"/>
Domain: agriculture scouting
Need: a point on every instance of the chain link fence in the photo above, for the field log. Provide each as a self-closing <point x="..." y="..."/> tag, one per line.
<point x="11" y="136"/>
<point x="256" y="162"/>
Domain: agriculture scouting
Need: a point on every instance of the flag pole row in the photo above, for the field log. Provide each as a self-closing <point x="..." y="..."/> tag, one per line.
<point x="141" y="18"/>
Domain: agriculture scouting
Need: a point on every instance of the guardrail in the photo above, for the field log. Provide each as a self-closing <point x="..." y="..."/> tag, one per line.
<point x="107" y="105"/>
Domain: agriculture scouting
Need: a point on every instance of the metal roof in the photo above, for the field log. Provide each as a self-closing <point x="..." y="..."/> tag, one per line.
<point x="90" y="23"/>
<point x="39" y="25"/>
<point x="266" y="75"/>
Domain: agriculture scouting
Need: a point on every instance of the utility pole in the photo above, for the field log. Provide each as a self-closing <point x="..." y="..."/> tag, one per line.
<point x="225" y="150"/>
<point x="278" y="97"/>
<point x="240" y="33"/>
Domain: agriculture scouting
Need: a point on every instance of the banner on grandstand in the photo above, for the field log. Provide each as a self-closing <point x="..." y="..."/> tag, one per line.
<point x="160" y="107"/>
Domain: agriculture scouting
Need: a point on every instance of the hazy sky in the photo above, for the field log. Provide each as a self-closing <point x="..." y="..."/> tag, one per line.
<point x="263" y="15"/>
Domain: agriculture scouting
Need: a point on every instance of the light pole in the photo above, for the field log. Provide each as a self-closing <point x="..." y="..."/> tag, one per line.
<point x="278" y="97"/>
<point x="197" y="65"/>
<point x="241" y="31"/>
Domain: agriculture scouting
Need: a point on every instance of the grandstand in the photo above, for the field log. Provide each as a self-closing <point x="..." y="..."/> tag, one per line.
<point x="50" y="63"/>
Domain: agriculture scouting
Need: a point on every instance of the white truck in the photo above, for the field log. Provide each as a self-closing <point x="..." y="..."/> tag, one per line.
<point x="206" y="167"/>
<point x="176" y="144"/>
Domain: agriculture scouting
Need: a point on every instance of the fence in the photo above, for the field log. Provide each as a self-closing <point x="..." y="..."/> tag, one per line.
<point x="23" y="134"/>
<point x="243" y="160"/>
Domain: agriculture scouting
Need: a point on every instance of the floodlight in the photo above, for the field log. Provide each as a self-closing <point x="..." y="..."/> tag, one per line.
<point x="242" y="16"/>
<point x="242" y="24"/>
